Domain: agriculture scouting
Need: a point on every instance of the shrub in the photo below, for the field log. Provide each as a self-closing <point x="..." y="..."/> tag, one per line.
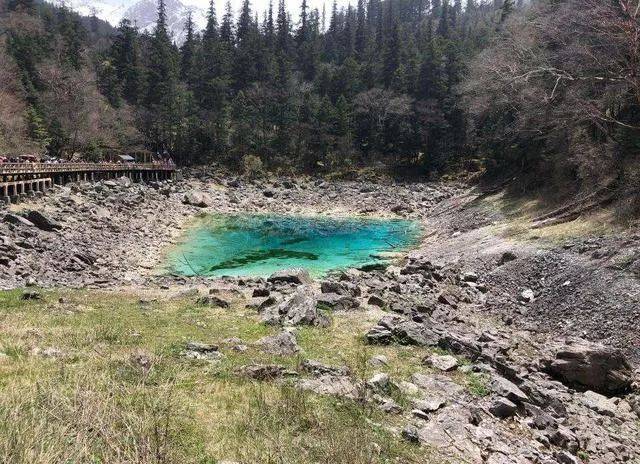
<point x="252" y="166"/>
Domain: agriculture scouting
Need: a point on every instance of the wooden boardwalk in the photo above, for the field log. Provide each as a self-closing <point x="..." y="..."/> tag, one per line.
<point x="23" y="179"/>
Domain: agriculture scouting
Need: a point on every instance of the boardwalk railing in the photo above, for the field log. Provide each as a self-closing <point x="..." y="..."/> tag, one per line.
<point x="20" y="179"/>
<point x="45" y="168"/>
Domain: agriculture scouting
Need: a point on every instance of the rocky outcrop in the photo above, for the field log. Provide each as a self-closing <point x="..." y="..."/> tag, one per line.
<point x="300" y="308"/>
<point x="282" y="344"/>
<point x="295" y="276"/>
<point x="43" y="222"/>
<point x="590" y="366"/>
<point x="197" y="198"/>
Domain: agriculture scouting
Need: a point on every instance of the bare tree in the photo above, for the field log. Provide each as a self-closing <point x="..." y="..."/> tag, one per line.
<point x="559" y="90"/>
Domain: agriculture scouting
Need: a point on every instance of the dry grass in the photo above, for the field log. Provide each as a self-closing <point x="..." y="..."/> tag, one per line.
<point x="519" y="214"/>
<point x="99" y="378"/>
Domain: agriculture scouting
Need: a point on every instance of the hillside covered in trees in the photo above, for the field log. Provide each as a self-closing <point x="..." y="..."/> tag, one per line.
<point x="508" y="87"/>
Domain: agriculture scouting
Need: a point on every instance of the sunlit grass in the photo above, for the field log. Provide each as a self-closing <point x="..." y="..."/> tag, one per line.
<point x="520" y="214"/>
<point x="99" y="377"/>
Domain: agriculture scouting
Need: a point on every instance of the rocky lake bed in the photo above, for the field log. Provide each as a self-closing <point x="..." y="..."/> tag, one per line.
<point x="493" y="341"/>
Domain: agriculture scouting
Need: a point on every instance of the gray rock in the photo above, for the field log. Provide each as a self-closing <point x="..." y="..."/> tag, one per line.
<point x="450" y="432"/>
<point x="527" y="296"/>
<point x="17" y="220"/>
<point x="213" y="301"/>
<point x="375" y="300"/>
<point x="503" y="408"/>
<point x="469" y="277"/>
<point x="317" y="369"/>
<point x="338" y="302"/>
<point x="197" y="198"/>
<point x="31" y="295"/>
<point x="378" y="361"/>
<point x="340" y="288"/>
<point x="380" y="383"/>
<point x="43" y="222"/>
<point x="410" y="433"/>
<point x="414" y="333"/>
<point x="296" y="276"/>
<point x="203" y="351"/>
<point x="599" y="403"/>
<point x="262" y="371"/>
<point x="282" y="344"/>
<point x="443" y="363"/>
<point x="590" y="366"/>
<point x="337" y="385"/>
<point x="508" y="389"/>
<point x="429" y="405"/>
<point x="298" y="309"/>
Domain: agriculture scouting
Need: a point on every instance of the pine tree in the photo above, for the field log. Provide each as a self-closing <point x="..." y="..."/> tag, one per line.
<point x="226" y="29"/>
<point x="248" y="53"/>
<point x="392" y="46"/>
<point x="305" y="53"/>
<point x="187" y="53"/>
<point x="443" y="24"/>
<point x="303" y="32"/>
<point x="125" y="56"/>
<point x="27" y="6"/>
<point x="211" y="28"/>
<point x="506" y="10"/>
<point x="244" y="22"/>
<point x="162" y="76"/>
<point x="282" y="44"/>
<point x="347" y="36"/>
<point x="331" y="36"/>
<point x="213" y="65"/>
<point x="73" y="35"/>
<point x="361" y="31"/>
<point x="269" y="30"/>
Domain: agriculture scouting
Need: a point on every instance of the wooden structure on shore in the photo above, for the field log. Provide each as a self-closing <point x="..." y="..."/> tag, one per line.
<point x="22" y="179"/>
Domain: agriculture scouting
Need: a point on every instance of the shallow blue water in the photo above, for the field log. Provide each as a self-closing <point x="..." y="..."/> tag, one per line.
<point x="258" y="245"/>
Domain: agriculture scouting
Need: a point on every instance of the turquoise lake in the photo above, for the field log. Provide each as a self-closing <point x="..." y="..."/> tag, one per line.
<point x="258" y="245"/>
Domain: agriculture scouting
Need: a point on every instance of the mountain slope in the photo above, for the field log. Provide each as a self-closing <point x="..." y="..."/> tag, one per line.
<point x="143" y="13"/>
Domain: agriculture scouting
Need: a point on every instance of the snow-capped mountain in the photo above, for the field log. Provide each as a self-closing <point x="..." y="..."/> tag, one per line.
<point x="143" y="13"/>
<point x="111" y="11"/>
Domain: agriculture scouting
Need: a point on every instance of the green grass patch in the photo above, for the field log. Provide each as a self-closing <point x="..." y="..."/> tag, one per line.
<point x="99" y="377"/>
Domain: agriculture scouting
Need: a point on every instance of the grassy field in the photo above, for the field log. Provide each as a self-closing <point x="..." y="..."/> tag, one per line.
<point x="97" y="377"/>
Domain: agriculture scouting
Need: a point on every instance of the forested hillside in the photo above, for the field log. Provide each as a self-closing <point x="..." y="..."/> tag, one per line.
<point x="510" y="87"/>
<point x="378" y="81"/>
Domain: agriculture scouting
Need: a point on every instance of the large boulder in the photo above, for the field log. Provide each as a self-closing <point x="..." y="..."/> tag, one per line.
<point x="42" y="222"/>
<point x="282" y="344"/>
<point x="404" y="332"/>
<point x="590" y="366"/>
<point x="338" y="302"/>
<point x="301" y="308"/>
<point x="340" y="288"/>
<point x="17" y="220"/>
<point x="297" y="276"/>
<point x="197" y="198"/>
